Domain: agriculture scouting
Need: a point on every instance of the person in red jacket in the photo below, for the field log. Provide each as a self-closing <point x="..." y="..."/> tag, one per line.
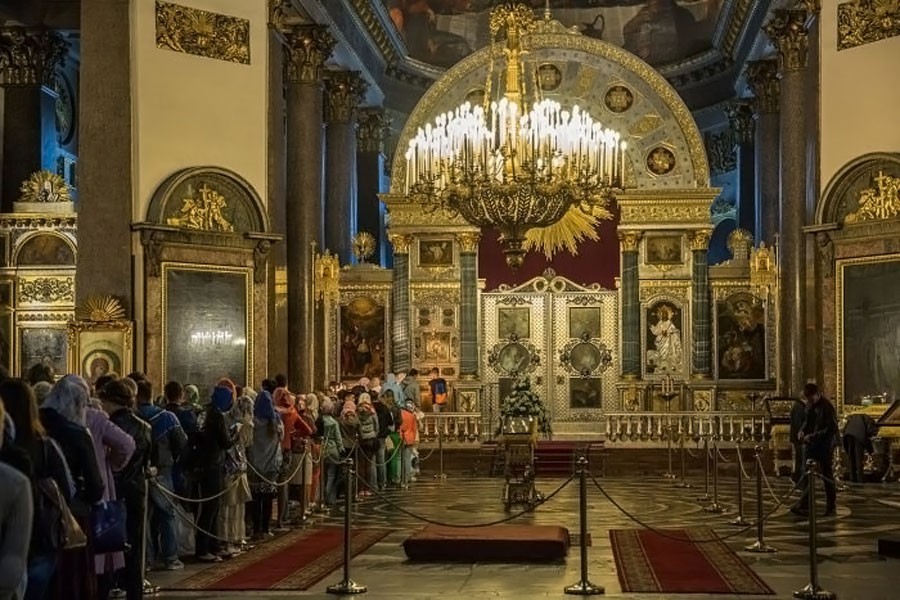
<point x="284" y="404"/>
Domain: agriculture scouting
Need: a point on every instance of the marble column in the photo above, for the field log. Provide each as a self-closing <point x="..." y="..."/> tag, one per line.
<point x="468" y="304"/>
<point x="762" y="77"/>
<point x="701" y="322"/>
<point x="344" y="91"/>
<point x="401" y="357"/>
<point x="373" y="128"/>
<point x="276" y="153"/>
<point x="306" y="49"/>
<point x="30" y="58"/>
<point x="631" y="305"/>
<point x="740" y="119"/>
<point x="787" y="29"/>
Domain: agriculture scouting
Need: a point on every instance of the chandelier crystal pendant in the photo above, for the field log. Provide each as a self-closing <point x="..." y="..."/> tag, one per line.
<point x="516" y="163"/>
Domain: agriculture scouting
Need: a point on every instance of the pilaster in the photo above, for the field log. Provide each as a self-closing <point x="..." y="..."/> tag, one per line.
<point x="631" y="305"/>
<point x="468" y="317"/>
<point x="401" y="360"/>
<point x="701" y="323"/>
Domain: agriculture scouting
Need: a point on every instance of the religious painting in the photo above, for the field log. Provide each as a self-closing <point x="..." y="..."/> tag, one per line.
<point x="44" y="250"/>
<point x="437" y="347"/>
<point x="435" y="253"/>
<point x="740" y="337"/>
<point x="584" y="322"/>
<point x="869" y="323"/>
<point x="514" y="359"/>
<point x="99" y="349"/>
<point x="663" y="338"/>
<point x="513" y="323"/>
<point x="664" y="250"/>
<point x="585" y="393"/>
<point x="442" y="32"/>
<point x="43" y="352"/>
<point x="362" y="327"/>
<point x="206" y="317"/>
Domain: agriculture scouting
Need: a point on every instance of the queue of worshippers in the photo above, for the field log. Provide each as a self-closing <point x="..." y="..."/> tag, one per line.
<point x="84" y="466"/>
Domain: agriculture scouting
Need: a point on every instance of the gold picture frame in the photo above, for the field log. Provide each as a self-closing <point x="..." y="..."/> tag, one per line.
<point x="436" y="253"/>
<point x="664" y="250"/>
<point x="98" y="348"/>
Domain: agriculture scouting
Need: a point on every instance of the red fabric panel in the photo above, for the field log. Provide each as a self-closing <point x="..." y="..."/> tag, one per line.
<point x="681" y="566"/>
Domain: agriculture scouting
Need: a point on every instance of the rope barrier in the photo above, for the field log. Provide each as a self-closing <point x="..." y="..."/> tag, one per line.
<point x="721" y="456"/>
<point x="286" y="481"/>
<point x="386" y="462"/>
<point x="769" y="485"/>
<point x="741" y="463"/>
<point x="169" y="492"/>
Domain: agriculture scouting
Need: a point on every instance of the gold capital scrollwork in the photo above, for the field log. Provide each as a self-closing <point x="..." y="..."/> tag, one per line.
<point x="344" y="90"/>
<point x="762" y="77"/>
<point x="204" y="212"/>
<point x="788" y="31"/>
<point x="629" y="240"/>
<point x="307" y="47"/>
<point x="866" y="21"/>
<point x="699" y="240"/>
<point x="202" y="33"/>
<point x="879" y="202"/>
<point x="740" y="120"/>
<point x="30" y="56"/>
<point x="374" y="126"/>
<point x="468" y="242"/>
<point x="400" y="242"/>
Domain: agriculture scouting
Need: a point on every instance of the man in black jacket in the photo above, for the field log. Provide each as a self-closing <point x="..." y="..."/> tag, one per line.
<point x="131" y="482"/>
<point x="818" y="436"/>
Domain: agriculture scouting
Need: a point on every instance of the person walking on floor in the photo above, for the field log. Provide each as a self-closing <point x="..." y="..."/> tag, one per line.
<point x="819" y="436"/>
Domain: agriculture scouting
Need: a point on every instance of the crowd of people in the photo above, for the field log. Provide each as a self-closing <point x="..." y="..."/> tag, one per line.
<point x="105" y="481"/>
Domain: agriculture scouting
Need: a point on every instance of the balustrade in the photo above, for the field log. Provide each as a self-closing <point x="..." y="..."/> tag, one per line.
<point x="452" y="426"/>
<point x="725" y="426"/>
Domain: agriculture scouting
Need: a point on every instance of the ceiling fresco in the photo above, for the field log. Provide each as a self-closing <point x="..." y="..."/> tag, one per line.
<point x="441" y="32"/>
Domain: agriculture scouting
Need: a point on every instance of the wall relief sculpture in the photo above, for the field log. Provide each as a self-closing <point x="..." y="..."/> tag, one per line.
<point x="204" y="209"/>
<point x="202" y="33"/>
<point x="866" y="21"/>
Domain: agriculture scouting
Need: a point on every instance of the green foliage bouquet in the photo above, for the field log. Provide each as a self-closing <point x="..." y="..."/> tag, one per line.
<point x="524" y="402"/>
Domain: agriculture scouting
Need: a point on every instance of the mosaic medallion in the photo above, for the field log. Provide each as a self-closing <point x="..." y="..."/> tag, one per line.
<point x="660" y="161"/>
<point x="618" y="99"/>
<point x="549" y="77"/>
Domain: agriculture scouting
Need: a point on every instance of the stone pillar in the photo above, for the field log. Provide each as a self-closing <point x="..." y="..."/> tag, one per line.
<point x="701" y="323"/>
<point x="762" y="77"/>
<point x="787" y="29"/>
<point x="28" y="62"/>
<point x="631" y="305"/>
<point x="373" y="128"/>
<point x="306" y="49"/>
<point x="344" y="92"/>
<point x="401" y="358"/>
<point x="740" y="118"/>
<point x="468" y="305"/>
<point x="276" y="159"/>
<point x="105" y="185"/>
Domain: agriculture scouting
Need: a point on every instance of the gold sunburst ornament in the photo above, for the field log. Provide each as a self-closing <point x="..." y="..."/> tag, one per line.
<point x="363" y="246"/>
<point x="100" y="309"/>
<point x="45" y="186"/>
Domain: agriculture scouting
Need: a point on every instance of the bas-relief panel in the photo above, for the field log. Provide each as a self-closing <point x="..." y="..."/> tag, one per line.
<point x="441" y="32"/>
<point x="362" y="329"/>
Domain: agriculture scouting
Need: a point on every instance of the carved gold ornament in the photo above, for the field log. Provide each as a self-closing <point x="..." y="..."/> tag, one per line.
<point x="763" y="272"/>
<point x="307" y="47"/>
<point x="100" y="309"/>
<point x="866" y="21"/>
<point x="326" y="277"/>
<point x="739" y="243"/>
<point x="661" y="161"/>
<point x="788" y="32"/>
<point x="720" y="150"/>
<point x="30" y="56"/>
<point x="363" y="245"/>
<point x="203" y="212"/>
<point x="202" y="33"/>
<point x="468" y="242"/>
<point x="400" y="243"/>
<point x="44" y="186"/>
<point x="880" y="202"/>
<point x="629" y="240"/>
<point x="46" y="290"/>
<point x="699" y="240"/>
<point x="618" y="99"/>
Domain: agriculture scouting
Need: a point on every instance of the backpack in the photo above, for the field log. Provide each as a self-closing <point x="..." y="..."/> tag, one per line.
<point x="439" y="388"/>
<point x="367" y="429"/>
<point x="54" y="528"/>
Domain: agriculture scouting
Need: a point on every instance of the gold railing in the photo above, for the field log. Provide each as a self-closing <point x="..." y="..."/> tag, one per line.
<point x="726" y="426"/>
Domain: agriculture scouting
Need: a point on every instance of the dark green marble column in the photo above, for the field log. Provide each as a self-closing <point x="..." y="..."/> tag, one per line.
<point x="401" y="358"/>
<point x="631" y="305"/>
<point x="468" y="305"/>
<point x="701" y="322"/>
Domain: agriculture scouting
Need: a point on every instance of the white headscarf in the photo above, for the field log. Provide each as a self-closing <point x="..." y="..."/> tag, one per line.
<point x="70" y="397"/>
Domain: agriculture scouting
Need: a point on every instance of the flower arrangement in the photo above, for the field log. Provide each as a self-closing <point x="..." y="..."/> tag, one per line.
<point x="524" y="402"/>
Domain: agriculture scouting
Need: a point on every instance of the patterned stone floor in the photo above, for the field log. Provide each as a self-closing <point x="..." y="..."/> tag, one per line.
<point x="848" y="560"/>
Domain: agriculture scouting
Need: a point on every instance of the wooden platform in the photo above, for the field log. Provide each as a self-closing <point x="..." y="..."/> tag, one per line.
<point x="497" y="543"/>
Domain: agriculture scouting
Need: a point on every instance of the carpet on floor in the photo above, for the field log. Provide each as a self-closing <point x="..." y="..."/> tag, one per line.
<point x="681" y="561"/>
<point x="495" y="543"/>
<point x="295" y="561"/>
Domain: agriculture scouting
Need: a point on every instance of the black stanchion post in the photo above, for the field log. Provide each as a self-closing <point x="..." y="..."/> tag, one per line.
<point x="583" y="587"/>
<point x="303" y="499"/>
<point x="705" y="497"/>
<point x="812" y="591"/>
<point x="347" y="585"/>
<point x="760" y="545"/>
<point x="715" y="507"/>
<point x="683" y="483"/>
<point x="440" y="428"/>
<point x="739" y="520"/>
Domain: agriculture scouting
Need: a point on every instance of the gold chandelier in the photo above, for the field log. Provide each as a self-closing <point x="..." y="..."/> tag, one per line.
<point x="517" y="164"/>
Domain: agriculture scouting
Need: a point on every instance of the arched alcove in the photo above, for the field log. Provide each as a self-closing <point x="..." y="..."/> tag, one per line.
<point x="841" y="196"/>
<point x="44" y="249"/>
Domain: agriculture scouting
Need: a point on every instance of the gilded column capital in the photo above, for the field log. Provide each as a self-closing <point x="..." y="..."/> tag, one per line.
<point x="30" y="56"/>
<point x="628" y="240"/>
<point x="374" y="127"/>
<point x="400" y="242"/>
<point x="740" y="119"/>
<point x="699" y="240"/>
<point x="468" y="242"/>
<point x="307" y="47"/>
<point x="788" y="31"/>
<point x="344" y="90"/>
<point x="762" y="77"/>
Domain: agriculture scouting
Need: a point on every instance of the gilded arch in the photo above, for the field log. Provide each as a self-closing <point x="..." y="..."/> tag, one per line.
<point x="841" y="196"/>
<point x="44" y="249"/>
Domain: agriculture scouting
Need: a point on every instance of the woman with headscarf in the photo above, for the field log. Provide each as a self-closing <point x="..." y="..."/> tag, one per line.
<point x="332" y="446"/>
<point x="213" y="444"/>
<point x="301" y="450"/>
<point x="290" y="419"/>
<point x="231" y="514"/>
<point x="368" y="443"/>
<point x="264" y="456"/>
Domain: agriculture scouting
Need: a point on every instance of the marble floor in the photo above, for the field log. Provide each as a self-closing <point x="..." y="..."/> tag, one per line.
<point x="848" y="561"/>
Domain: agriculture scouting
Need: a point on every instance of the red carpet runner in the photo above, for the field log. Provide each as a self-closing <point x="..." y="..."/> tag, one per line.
<point x="649" y="562"/>
<point x="294" y="561"/>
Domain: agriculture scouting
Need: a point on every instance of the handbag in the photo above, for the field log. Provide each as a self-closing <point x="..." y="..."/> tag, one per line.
<point x="108" y="527"/>
<point x="64" y="528"/>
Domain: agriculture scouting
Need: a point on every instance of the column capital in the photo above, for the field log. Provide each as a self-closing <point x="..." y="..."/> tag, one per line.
<point x="740" y="119"/>
<point x="307" y="47"/>
<point x="789" y="33"/>
<point x="344" y="90"/>
<point x="762" y="77"/>
<point x="628" y="240"/>
<point x="468" y="241"/>
<point x="699" y="240"/>
<point x="30" y="56"/>
<point x="374" y="127"/>
<point x="400" y="242"/>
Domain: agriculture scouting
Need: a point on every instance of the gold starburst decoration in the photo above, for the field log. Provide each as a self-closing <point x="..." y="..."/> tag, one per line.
<point x="577" y="225"/>
<point x="100" y="309"/>
<point x="363" y="246"/>
<point x="45" y="186"/>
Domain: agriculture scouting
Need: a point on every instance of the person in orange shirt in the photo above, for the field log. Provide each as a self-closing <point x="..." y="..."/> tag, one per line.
<point x="409" y="429"/>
